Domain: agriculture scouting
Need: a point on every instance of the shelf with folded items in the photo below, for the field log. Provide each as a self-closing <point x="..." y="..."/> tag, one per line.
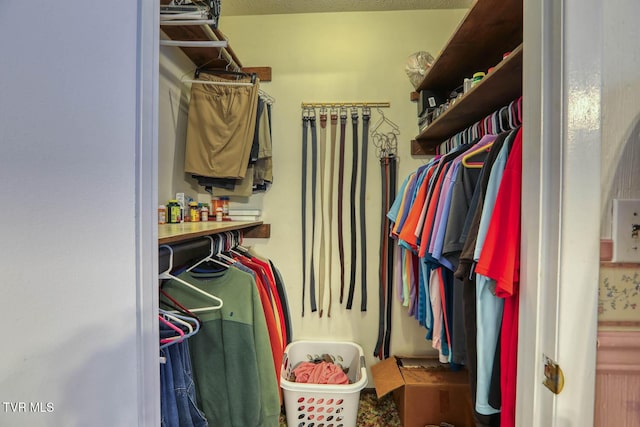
<point x="501" y="86"/>
<point x="172" y="233"/>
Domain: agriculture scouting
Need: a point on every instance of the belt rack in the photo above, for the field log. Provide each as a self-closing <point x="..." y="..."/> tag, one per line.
<point x="346" y="105"/>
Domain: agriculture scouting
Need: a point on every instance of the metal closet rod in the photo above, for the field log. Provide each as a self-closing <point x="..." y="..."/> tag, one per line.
<point x="346" y="104"/>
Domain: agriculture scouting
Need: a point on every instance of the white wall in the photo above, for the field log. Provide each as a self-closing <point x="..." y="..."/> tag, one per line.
<point x="68" y="138"/>
<point x="323" y="57"/>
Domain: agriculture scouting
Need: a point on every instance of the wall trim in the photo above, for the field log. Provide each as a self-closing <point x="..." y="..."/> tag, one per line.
<point x="618" y="352"/>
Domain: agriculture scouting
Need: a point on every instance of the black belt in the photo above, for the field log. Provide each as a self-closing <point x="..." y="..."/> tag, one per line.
<point x="343" y="125"/>
<point x="314" y="167"/>
<point x="322" y="150"/>
<point x="305" y="124"/>
<point x="329" y="203"/>
<point x="388" y="170"/>
<point x="354" y="177"/>
<point x="366" y="115"/>
<point x="390" y="254"/>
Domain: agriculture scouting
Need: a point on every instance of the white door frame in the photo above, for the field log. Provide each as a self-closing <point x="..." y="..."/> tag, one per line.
<point x="561" y="209"/>
<point x="146" y="211"/>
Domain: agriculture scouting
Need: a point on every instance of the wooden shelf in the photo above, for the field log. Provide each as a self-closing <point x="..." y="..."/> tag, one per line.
<point x="212" y="57"/>
<point x="490" y="28"/>
<point x="172" y="233"/>
<point x="497" y="89"/>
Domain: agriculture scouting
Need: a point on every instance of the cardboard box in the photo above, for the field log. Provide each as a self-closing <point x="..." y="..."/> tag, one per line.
<point x="425" y="391"/>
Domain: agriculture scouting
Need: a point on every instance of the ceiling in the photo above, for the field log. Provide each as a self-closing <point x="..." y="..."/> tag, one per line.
<point x="272" y="7"/>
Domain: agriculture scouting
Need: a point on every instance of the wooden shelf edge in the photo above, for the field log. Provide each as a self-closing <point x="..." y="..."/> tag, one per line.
<point x="458" y="117"/>
<point x="262" y="231"/>
<point x="263" y="73"/>
<point x="173" y="233"/>
<point x="486" y="23"/>
<point x="419" y="148"/>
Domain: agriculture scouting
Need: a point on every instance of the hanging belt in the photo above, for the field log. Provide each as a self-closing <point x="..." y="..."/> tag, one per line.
<point x="383" y="269"/>
<point x="387" y="258"/>
<point x="391" y="189"/>
<point x="322" y="146"/>
<point x="329" y="203"/>
<point x="354" y="177"/>
<point x="366" y="115"/>
<point x="343" y="125"/>
<point x="305" y="128"/>
<point x="314" y="167"/>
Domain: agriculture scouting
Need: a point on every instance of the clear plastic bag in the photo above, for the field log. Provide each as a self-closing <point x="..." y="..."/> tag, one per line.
<point x="417" y="65"/>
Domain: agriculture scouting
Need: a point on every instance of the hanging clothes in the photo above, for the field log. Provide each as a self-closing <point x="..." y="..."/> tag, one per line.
<point x="220" y="128"/>
<point x="500" y="260"/>
<point x="231" y="355"/>
<point x="440" y="220"/>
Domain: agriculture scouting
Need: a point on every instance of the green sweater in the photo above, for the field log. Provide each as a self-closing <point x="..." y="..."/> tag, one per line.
<point x="231" y="355"/>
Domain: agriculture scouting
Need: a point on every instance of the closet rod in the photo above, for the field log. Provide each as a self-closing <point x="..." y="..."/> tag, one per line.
<point x="346" y="104"/>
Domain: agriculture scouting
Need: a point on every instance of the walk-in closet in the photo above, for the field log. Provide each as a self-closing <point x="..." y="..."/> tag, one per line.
<point x="320" y="213"/>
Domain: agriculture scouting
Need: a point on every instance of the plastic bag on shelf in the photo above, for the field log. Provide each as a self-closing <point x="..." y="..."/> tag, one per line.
<point x="417" y="65"/>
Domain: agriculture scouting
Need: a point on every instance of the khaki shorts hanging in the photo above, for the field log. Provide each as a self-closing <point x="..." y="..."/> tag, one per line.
<point x="220" y="128"/>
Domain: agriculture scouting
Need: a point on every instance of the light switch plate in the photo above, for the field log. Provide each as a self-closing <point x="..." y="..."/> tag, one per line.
<point x="626" y="230"/>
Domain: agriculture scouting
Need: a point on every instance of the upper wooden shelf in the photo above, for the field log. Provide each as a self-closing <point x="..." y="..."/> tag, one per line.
<point x="490" y="28"/>
<point x="212" y="57"/>
<point x="497" y="89"/>
<point x="172" y="233"/>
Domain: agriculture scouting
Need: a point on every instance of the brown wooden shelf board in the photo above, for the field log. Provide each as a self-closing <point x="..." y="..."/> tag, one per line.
<point x="497" y="89"/>
<point x="490" y="28"/>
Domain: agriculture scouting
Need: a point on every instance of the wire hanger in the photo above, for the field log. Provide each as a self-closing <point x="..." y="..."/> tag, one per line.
<point x="395" y="129"/>
<point x="167" y="275"/>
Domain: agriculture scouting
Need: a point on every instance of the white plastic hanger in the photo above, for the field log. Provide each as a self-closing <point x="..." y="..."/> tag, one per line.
<point x="169" y="276"/>
<point x="227" y="239"/>
<point x="209" y="257"/>
<point x="182" y="320"/>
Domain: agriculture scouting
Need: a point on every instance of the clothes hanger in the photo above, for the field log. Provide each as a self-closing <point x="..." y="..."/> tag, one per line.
<point x="176" y="321"/>
<point x="209" y="257"/>
<point x="473" y="152"/>
<point x="166" y="342"/>
<point x="237" y="248"/>
<point x="169" y="276"/>
<point x="222" y="243"/>
<point x="226" y="72"/>
<point x="179" y="308"/>
<point x="175" y="328"/>
<point x="395" y="129"/>
<point x="180" y="320"/>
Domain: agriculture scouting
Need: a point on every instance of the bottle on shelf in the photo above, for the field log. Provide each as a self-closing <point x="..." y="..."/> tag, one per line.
<point x="162" y="214"/>
<point x="204" y="212"/>
<point x="194" y="212"/>
<point x="173" y="211"/>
